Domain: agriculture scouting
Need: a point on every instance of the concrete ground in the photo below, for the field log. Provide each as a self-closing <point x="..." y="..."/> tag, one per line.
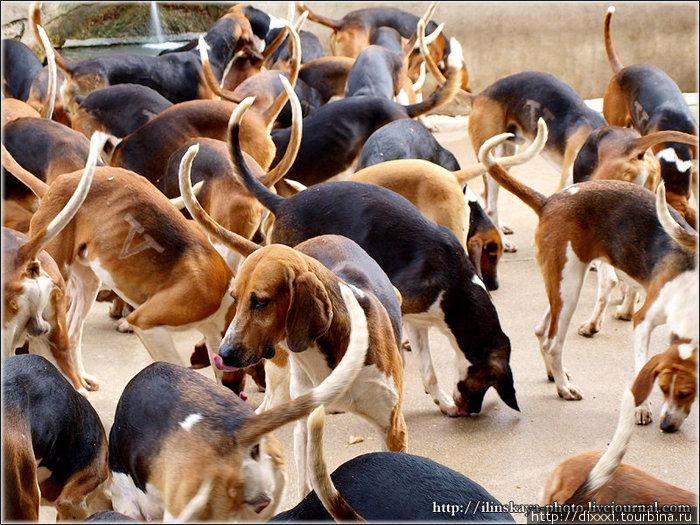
<point x="510" y="453"/>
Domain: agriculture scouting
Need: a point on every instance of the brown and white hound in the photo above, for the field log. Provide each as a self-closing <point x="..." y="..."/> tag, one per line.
<point x="622" y="228"/>
<point x="287" y="299"/>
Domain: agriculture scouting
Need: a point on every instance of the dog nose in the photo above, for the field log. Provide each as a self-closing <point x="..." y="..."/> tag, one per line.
<point x="37" y="326"/>
<point x="260" y="503"/>
<point x="668" y="426"/>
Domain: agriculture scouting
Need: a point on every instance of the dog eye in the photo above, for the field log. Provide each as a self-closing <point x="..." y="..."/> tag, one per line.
<point x="255" y="452"/>
<point x="684" y="395"/>
<point x="258" y="303"/>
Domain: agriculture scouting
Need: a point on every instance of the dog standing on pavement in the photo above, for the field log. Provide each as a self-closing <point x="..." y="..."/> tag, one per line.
<point x="34" y="290"/>
<point x="287" y="301"/>
<point x="615" y="221"/>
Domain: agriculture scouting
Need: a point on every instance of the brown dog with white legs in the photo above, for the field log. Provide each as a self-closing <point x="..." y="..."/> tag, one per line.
<point x="144" y="250"/>
<point x="602" y="479"/>
<point x="615" y="153"/>
<point x="622" y="228"/>
<point x="645" y="97"/>
<point x="34" y="291"/>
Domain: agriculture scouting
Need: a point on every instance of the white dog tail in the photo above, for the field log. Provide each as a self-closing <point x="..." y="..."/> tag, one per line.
<point x="608" y="463"/>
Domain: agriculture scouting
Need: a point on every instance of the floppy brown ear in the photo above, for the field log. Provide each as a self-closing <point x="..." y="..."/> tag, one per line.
<point x="475" y="246"/>
<point x="644" y="381"/>
<point x="310" y="312"/>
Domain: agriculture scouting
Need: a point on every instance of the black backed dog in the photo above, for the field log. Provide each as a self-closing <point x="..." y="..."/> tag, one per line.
<point x="20" y="67"/>
<point x="53" y="434"/>
<point x="426" y="262"/>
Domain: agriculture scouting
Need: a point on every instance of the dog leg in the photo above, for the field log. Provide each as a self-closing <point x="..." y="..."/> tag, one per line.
<point x="85" y="287"/>
<point x="607" y="280"/>
<point x="645" y="320"/>
<point x="420" y="344"/>
<point x="491" y="194"/>
<point x="563" y="290"/>
<point x="625" y="311"/>
<point x="276" y="386"/>
<point x="300" y="384"/>
<point x="213" y="336"/>
<point x="159" y="344"/>
<point x="300" y="440"/>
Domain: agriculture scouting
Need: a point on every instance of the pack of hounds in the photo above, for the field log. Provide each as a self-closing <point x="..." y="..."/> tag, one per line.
<point x="192" y="190"/>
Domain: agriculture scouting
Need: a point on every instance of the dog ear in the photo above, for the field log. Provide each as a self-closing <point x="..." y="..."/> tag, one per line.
<point x="502" y="377"/>
<point x="643" y="383"/>
<point x="475" y="246"/>
<point x="310" y="312"/>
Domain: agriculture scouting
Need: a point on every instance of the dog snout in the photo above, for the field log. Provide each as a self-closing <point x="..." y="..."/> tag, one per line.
<point x="36" y="326"/>
<point x="260" y="503"/>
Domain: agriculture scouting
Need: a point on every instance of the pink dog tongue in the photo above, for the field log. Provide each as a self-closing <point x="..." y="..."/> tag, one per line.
<point x="218" y="362"/>
<point x="462" y="412"/>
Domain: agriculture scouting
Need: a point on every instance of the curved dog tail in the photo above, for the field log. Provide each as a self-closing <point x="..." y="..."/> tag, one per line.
<point x="448" y="90"/>
<point x="528" y="195"/>
<point x="44" y="236"/>
<point x="260" y="188"/>
<point x="608" y="463"/>
<point x="615" y="63"/>
<point x="319" y="19"/>
<point x="321" y="481"/>
<point x="48" y="106"/>
<point x="465" y="175"/>
<point x="330" y="389"/>
<point x="685" y="238"/>
<point x="230" y="239"/>
<point x="233" y="240"/>
<point x="35" y="22"/>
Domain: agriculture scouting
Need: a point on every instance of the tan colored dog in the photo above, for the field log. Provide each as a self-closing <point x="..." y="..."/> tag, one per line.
<point x="143" y="249"/>
<point x="34" y="291"/>
<point x="592" y="477"/>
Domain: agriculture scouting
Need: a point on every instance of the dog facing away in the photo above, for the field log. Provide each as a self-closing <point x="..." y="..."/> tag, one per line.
<point x="175" y="430"/>
<point x="622" y="227"/>
<point x="387" y="486"/>
<point x="53" y="442"/>
<point x="605" y="480"/>
<point x="424" y="261"/>
<point x="645" y="97"/>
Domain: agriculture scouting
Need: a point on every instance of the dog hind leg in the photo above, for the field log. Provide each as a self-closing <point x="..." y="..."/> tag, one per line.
<point x="607" y="280"/>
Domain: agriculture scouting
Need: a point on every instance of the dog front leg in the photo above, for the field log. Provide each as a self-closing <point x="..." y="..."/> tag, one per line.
<point x="419" y="337"/>
<point x="159" y="344"/>
<point x="300" y="384"/>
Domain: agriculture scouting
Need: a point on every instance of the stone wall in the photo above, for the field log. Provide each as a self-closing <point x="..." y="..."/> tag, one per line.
<point x="499" y="38"/>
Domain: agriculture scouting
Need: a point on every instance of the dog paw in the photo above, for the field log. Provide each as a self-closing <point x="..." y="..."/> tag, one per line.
<point x="90" y="382"/>
<point x="505" y="229"/>
<point x="448" y="409"/>
<point x="406" y="346"/>
<point x="588" y="329"/>
<point x="509" y="247"/>
<point x="643" y="414"/>
<point x="623" y="316"/>
<point x="569" y="392"/>
<point x="123" y="326"/>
